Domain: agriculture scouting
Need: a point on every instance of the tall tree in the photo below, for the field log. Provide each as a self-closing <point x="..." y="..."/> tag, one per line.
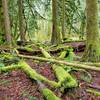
<point x="21" y="20"/>
<point x="92" y="52"/>
<point x="63" y="19"/>
<point x="1" y="21"/>
<point x="56" y="36"/>
<point x="6" y="21"/>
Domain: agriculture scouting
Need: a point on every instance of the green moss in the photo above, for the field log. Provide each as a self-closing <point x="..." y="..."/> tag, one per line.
<point x="71" y="55"/>
<point x="34" y="75"/>
<point x="49" y="95"/>
<point x="97" y="64"/>
<point x="92" y="52"/>
<point x="63" y="54"/>
<point x="64" y="77"/>
<point x="45" y="53"/>
<point x="9" y="68"/>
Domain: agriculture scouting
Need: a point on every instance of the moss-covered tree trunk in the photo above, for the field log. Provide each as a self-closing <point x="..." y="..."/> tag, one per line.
<point x="92" y="52"/>
<point x="1" y="23"/>
<point x="56" y="37"/>
<point x="6" y="21"/>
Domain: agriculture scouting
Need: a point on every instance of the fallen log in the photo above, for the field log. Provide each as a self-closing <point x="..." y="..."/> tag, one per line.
<point x="34" y="75"/>
<point x="30" y="72"/>
<point x="45" y="53"/>
<point x="37" y="50"/>
<point x="75" y="65"/>
<point x="65" y="79"/>
<point x="47" y="93"/>
<point x="9" y="68"/>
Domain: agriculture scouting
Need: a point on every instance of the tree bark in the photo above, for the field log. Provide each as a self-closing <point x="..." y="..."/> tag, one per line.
<point x="21" y="21"/>
<point x="1" y="22"/>
<point x="56" y="36"/>
<point x="92" y="51"/>
<point x="63" y="19"/>
<point x="6" y="21"/>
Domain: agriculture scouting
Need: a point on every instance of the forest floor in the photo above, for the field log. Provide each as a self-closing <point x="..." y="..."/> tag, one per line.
<point x="16" y="85"/>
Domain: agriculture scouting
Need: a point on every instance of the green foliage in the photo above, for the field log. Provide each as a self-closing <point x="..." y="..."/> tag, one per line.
<point x="2" y="64"/>
<point x="71" y="55"/>
<point x="33" y="98"/>
<point x="36" y="11"/>
<point x="63" y="54"/>
<point x="67" y="68"/>
<point x="74" y="15"/>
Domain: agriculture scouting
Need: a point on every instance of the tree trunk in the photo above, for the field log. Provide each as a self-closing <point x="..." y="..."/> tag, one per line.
<point x="1" y="23"/>
<point x="63" y="19"/>
<point x="92" y="52"/>
<point x="6" y="21"/>
<point x="56" y="36"/>
<point x="21" y="21"/>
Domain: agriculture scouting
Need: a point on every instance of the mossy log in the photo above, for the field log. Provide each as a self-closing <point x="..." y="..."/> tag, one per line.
<point x="93" y="64"/>
<point x="9" y="68"/>
<point x="70" y="64"/>
<point x="63" y="54"/>
<point x="45" y="53"/>
<point x="47" y="93"/>
<point x="64" y="77"/>
<point x="30" y="72"/>
<point x="34" y="75"/>
<point x="37" y="49"/>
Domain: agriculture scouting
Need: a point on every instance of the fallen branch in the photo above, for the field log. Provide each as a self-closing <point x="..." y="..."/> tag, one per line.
<point x="30" y="72"/>
<point x="65" y="79"/>
<point x="9" y="68"/>
<point x="45" y="53"/>
<point x="47" y="93"/>
<point x="75" y="65"/>
<point x="34" y="75"/>
<point x="38" y="49"/>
